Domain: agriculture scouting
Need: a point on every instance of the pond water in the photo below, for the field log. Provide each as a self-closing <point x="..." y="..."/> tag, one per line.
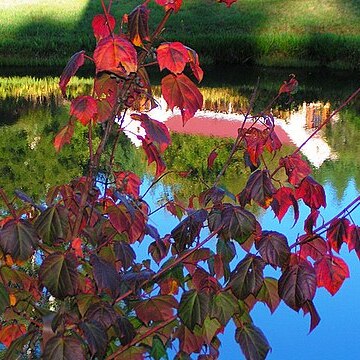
<point x="32" y="111"/>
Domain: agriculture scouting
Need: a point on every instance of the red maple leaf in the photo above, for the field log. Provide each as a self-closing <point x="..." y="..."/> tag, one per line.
<point x="272" y="142"/>
<point x="70" y="70"/>
<point x="313" y="246"/>
<point x="128" y="182"/>
<point x="64" y="135"/>
<point x="194" y="64"/>
<point x="331" y="272"/>
<point x="103" y="26"/>
<point x="179" y="91"/>
<point x="310" y="221"/>
<point x="9" y="333"/>
<point x="76" y="246"/>
<point x="83" y="108"/>
<point x="211" y="158"/>
<point x="258" y="188"/>
<point x="339" y="232"/>
<point x="153" y="155"/>
<point x="172" y="56"/>
<point x="296" y="168"/>
<point x="354" y="240"/>
<point x="138" y="25"/>
<point x="254" y="144"/>
<point x="290" y="86"/>
<point x="312" y="193"/>
<point x="115" y="54"/>
<point x="170" y="4"/>
<point x="106" y="87"/>
<point x="282" y="200"/>
<point x="227" y="2"/>
<point x="155" y="130"/>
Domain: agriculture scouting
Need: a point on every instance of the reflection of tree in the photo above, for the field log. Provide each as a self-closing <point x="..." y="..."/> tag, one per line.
<point x="189" y="152"/>
<point x="28" y="160"/>
<point x="344" y="137"/>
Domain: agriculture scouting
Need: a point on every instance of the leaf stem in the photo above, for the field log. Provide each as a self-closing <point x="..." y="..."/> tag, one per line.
<point x="180" y="259"/>
<point x="8" y="203"/>
<point x="322" y="229"/>
<point x="142" y="337"/>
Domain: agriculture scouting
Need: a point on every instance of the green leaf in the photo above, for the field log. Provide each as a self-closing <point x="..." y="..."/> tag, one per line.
<point x="59" y="275"/>
<point x="252" y="341"/>
<point x="84" y="301"/>
<point x="96" y="337"/>
<point x="223" y="307"/>
<point x="208" y="330"/>
<point x="158" y="350"/>
<point x="19" y="239"/>
<point x="268" y="293"/>
<point x="187" y="230"/>
<point x="247" y="277"/>
<point x="194" y="307"/>
<point x="64" y="348"/>
<point x="237" y="223"/>
<point x="4" y="299"/>
<point x="226" y="249"/>
<point x="53" y="224"/>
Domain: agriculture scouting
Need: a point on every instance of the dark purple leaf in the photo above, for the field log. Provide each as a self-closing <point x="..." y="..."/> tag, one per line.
<point x="273" y="248"/>
<point x="59" y="275"/>
<point x="297" y="283"/>
<point x="19" y="239"/>
<point x="247" y="278"/>
<point x="106" y="277"/>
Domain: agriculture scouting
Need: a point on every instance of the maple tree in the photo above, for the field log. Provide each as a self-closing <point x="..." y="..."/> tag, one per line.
<point x="71" y="286"/>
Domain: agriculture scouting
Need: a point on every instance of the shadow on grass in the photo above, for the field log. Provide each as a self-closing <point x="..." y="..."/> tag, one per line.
<point x="239" y="34"/>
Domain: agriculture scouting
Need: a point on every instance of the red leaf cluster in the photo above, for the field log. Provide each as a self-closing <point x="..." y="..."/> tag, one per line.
<point x="296" y="168"/>
<point x="170" y="4"/>
<point x="84" y="108"/>
<point x="103" y="25"/>
<point x="115" y="54"/>
<point x="179" y="91"/>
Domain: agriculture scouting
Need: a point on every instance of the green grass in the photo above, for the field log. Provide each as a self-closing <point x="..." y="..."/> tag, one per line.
<point x="266" y="32"/>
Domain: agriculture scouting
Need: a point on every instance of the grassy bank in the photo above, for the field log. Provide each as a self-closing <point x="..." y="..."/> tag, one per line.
<point x="266" y="32"/>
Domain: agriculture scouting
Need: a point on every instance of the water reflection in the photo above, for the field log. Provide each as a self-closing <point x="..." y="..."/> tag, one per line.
<point x="32" y="110"/>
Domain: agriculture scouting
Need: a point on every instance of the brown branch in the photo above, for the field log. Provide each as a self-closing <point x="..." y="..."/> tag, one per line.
<point x="172" y="265"/>
<point x="327" y="120"/>
<point x="142" y="337"/>
<point x="322" y="229"/>
<point x="239" y="137"/>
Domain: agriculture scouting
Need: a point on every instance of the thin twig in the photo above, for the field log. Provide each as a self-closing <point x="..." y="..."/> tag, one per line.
<point x="178" y="260"/>
<point x="142" y="337"/>
<point x="8" y="203"/>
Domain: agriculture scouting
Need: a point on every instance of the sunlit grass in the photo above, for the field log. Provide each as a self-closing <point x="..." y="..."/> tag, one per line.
<point x="40" y="89"/>
<point x="36" y="89"/>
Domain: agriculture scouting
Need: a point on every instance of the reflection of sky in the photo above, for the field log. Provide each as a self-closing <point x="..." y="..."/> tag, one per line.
<point x="287" y="331"/>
